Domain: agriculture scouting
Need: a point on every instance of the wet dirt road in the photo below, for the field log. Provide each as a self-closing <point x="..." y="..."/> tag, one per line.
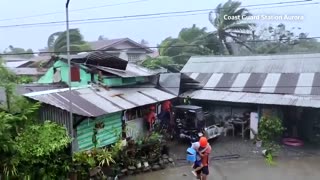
<point x="294" y="168"/>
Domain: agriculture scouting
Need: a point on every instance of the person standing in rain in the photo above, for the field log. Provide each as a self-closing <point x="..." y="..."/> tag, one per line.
<point x="203" y="148"/>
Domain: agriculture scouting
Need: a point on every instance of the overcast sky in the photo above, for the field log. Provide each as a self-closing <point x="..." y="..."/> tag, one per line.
<point x="152" y="30"/>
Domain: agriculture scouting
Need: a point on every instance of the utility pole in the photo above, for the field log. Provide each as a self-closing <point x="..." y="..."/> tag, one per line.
<point x="254" y="41"/>
<point x="69" y="80"/>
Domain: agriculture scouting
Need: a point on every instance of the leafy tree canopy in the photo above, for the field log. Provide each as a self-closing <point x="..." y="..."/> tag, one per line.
<point x="281" y="39"/>
<point x="231" y="29"/>
<point x="19" y="52"/>
<point x="190" y="41"/>
<point x="57" y="42"/>
<point x="158" y="62"/>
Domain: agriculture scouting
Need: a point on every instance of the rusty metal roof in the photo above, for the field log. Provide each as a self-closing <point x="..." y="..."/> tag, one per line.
<point x="255" y="98"/>
<point x="293" y="63"/>
<point x="96" y="101"/>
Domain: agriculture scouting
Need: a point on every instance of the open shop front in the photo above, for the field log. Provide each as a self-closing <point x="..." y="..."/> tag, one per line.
<point x="137" y="120"/>
<point x="235" y="119"/>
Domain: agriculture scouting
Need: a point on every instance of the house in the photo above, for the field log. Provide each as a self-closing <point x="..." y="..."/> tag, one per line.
<point x="123" y="48"/>
<point x="283" y="85"/>
<point x="104" y="90"/>
<point x="88" y="68"/>
<point x="23" y="67"/>
<point x="94" y="104"/>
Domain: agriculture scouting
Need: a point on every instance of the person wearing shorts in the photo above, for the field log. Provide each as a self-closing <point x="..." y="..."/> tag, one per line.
<point x="197" y="166"/>
<point x="204" y="157"/>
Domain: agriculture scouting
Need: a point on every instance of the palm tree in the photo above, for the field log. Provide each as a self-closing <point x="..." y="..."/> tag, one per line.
<point x="58" y="42"/>
<point x="52" y="38"/>
<point x="231" y="29"/>
<point x="190" y="41"/>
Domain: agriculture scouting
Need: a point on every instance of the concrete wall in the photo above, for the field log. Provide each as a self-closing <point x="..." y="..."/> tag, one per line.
<point x="223" y="111"/>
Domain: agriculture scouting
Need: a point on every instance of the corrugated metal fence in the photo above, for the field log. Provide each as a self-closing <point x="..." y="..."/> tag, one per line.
<point x="54" y="114"/>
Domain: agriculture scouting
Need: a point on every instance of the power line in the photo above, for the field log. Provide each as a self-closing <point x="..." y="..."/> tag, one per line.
<point x="225" y="89"/>
<point x="75" y="10"/>
<point x="146" y="47"/>
<point x="147" y="15"/>
<point x="104" y="21"/>
<point x="133" y="2"/>
<point x="146" y="18"/>
<point x="303" y="4"/>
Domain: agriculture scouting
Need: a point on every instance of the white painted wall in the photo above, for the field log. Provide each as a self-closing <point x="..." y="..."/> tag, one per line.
<point x="125" y="45"/>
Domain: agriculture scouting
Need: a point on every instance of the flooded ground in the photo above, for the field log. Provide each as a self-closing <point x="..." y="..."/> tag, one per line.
<point x="234" y="158"/>
<point x="289" y="168"/>
<point x="230" y="148"/>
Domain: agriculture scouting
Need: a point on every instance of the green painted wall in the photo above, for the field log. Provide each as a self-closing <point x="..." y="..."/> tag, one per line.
<point x="86" y="77"/>
<point x="117" y="81"/>
<point x="48" y="77"/>
<point x="106" y="136"/>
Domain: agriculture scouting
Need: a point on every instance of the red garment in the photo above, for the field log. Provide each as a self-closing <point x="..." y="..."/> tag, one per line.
<point x="166" y="106"/>
<point x="152" y="108"/>
<point x="151" y="117"/>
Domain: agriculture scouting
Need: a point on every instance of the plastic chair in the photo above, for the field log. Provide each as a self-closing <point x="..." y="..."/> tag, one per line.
<point x="228" y="126"/>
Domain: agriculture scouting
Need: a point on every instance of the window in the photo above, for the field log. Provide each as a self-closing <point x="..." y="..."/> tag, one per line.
<point x="75" y="74"/>
<point x="133" y="57"/>
<point x="134" y="114"/>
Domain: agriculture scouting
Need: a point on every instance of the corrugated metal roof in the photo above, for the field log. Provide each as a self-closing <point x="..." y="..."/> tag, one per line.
<point x="255" y="98"/>
<point x="294" y="63"/>
<point x="274" y="83"/>
<point x="97" y="101"/>
<point x="170" y="82"/>
<point x="13" y="58"/>
<point x="132" y="70"/>
<point x="26" y="71"/>
<point x="15" y="64"/>
<point x="101" y="58"/>
<point x="109" y="43"/>
<point x="104" y="43"/>
<point x="28" y="88"/>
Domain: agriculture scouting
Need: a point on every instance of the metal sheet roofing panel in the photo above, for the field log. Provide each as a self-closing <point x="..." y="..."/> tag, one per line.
<point x="26" y="71"/>
<point x="293" y="63"/>
<point x="97" y="101"/>
<point x="156" y="94"/>
<point x="274" y="83"/>
<point x="137" y="98"/>
<point x="170" y="82"/>
<point x="132" y="70"/>
<point x="15" y="64"/>
<point x="255" y="98"/>
<point x="116" y="100"/>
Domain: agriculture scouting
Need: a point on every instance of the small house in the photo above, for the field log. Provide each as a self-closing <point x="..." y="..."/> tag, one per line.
<point x="105" y="90"/>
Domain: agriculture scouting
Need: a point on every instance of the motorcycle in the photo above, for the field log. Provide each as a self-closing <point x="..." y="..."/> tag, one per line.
<point x="190" y="124"/>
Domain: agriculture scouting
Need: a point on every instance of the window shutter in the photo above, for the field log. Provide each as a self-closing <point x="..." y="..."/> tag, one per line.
<point x="75" y="74"/>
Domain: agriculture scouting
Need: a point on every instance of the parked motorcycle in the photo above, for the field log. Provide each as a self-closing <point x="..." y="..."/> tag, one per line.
<point x="190" y="124"/>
